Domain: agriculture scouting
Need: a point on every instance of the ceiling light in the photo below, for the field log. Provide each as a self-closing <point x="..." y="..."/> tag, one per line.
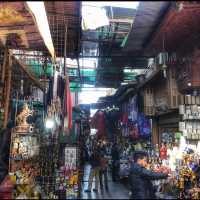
<point x="37" y="8"/>
<point x="49" y="123"/>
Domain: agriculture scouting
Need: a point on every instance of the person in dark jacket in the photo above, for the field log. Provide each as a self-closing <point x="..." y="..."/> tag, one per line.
<point x="140" y="178"/>
<point x="115" y="162"/>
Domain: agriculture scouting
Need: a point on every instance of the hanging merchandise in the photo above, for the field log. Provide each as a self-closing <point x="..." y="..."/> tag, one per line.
<point x="124" y="118"/>
<point x="49" y="95"/>
<point x="55" y="83"/>
<point x="60" y="88"/>
<point x="54" y="117"/>
<point x="144" y="125"/>
<point x="133" y="109"/>
<point x="135" y="132"/>
<point x="67" y="107"/>
<point x="67" y="175"/>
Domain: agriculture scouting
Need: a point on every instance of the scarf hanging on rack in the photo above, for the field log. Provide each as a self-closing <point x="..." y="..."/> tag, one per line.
<point x="67" y="107"/>
<point x="55" y="84"/>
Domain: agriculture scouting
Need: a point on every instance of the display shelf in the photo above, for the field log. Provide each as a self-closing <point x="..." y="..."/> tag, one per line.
<point x="190" y="120"/>
<point x="22" y="134"/>
<point x="24" y="159"/>
<point x="192" y="139"/>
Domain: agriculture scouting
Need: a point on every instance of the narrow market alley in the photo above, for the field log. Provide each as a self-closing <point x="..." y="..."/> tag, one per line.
<point x="116" y="190"/>
<point x="99" y="100"/>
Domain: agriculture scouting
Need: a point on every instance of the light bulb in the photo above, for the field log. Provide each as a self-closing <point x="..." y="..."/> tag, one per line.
<point x="49" y="123"/>
<point x="164" y="68"/>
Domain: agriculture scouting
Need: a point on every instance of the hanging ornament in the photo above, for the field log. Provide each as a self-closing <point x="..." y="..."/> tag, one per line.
<point x="22" y="87"/>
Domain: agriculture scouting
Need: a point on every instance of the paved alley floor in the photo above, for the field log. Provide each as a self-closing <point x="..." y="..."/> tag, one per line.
<point x="115" y="190"/>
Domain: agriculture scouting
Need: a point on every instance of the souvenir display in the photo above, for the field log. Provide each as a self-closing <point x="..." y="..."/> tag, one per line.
<point x="24" y="146"/>
<point x="67" y="182"/>
<point x="182" y="164"/>
<point x="24" y="154"/>
<point x="190" y="124"/>
<point x="22" y="125"/>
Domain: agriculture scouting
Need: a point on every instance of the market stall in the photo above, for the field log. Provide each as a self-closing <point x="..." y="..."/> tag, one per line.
<point x="135" y="132"/>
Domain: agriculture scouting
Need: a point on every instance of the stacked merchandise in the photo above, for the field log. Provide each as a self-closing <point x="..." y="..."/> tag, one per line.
<point x="24" y="157"/>
<point x="183" y="165"/>
<point x="67" y="176"/>
<point x="158" y="162"/>
<point x="190" y="124"/>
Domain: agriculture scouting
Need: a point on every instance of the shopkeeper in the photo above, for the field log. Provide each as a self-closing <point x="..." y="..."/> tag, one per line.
<point x="140" y="177"/>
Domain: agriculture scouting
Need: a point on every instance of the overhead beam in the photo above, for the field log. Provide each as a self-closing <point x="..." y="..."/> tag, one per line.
<point x="129" y="21"/>
<point x="63" y="14"/>
<point x="113" y="56"/>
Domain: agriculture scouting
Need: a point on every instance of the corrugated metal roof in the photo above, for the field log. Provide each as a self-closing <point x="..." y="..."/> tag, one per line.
<point x="146" y="20"/>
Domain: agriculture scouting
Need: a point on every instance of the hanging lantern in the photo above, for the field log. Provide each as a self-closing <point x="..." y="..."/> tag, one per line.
<point x="164" y="56"/>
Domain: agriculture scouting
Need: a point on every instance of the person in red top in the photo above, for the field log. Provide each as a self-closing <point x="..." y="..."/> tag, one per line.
<point x="163" y="151"/>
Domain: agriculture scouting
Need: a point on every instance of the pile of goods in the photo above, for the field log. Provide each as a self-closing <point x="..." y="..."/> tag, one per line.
<point x="162" y="169"/>
<point x="24" y="173"/>
<point x="24" y="147"/>
<point x="67" y="181"/>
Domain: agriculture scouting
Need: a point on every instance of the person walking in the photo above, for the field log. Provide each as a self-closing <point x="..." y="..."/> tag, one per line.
<point x="140" y="178"/>
<point x="103" y="173"/>
<point x="94" y="171"/>
<point x="115" y="162"/>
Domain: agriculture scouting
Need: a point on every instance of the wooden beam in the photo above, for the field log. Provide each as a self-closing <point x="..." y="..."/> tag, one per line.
<point x="4" y="65"/>
<point x="25" y="69"/>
